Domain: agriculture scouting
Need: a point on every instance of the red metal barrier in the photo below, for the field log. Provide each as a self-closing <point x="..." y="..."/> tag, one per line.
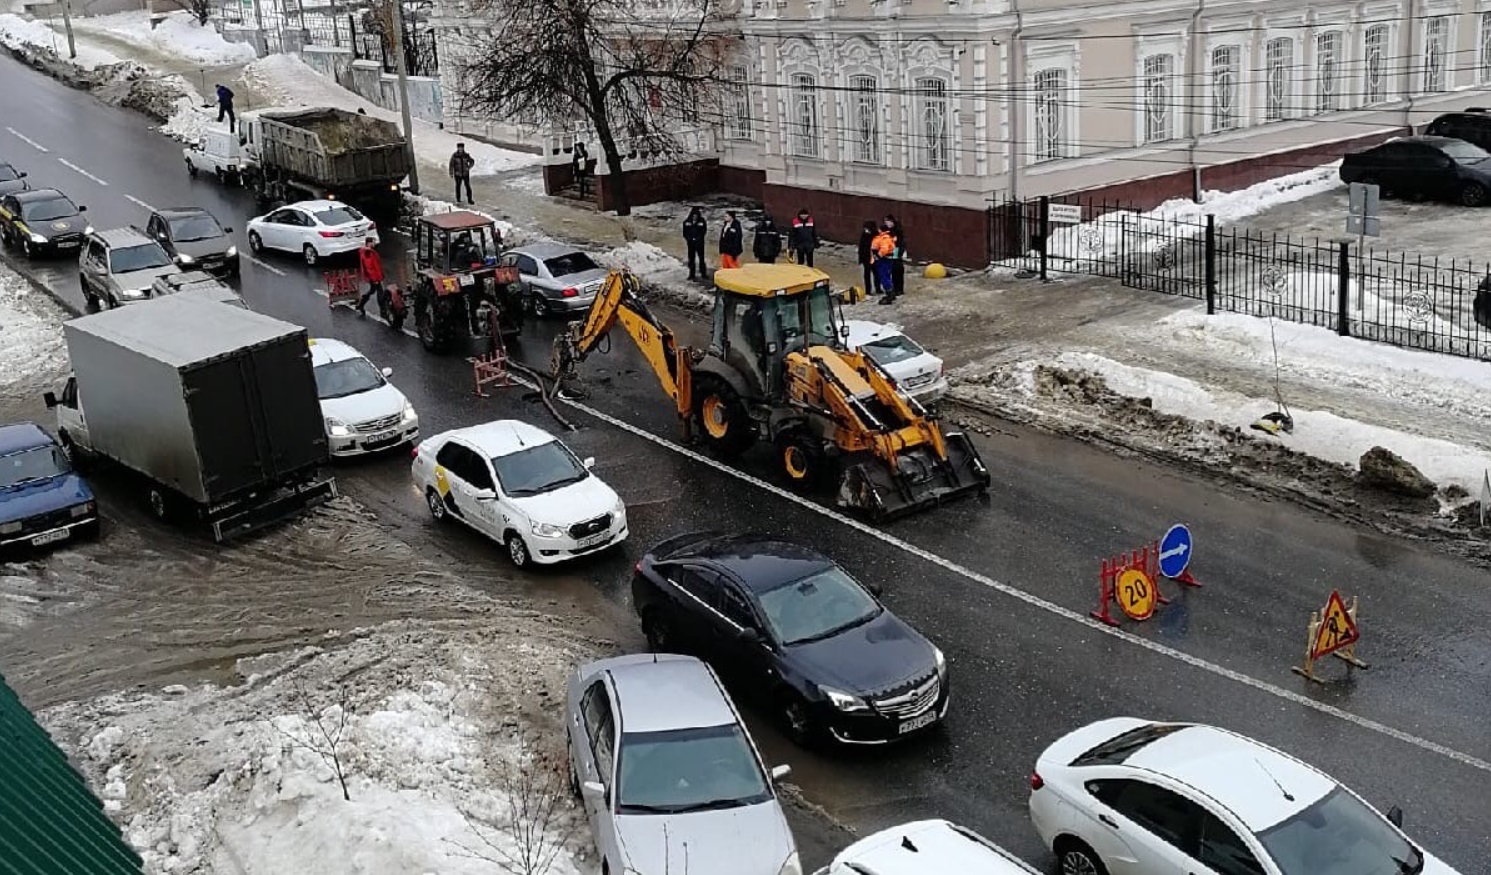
<point x="1144" y="559"/>
<point x="342" y="287"/>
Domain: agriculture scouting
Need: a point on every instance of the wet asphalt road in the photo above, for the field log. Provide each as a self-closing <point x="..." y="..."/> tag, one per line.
<point x="1023" y="673"/>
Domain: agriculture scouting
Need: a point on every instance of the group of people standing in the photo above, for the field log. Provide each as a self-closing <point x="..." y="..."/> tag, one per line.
<point x="882" y="258"/>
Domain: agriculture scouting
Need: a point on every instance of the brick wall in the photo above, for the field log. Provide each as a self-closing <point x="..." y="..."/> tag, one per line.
<point x="952" y="235"/>
<point x="674" y="182"/>
<point x="742" y="181"/>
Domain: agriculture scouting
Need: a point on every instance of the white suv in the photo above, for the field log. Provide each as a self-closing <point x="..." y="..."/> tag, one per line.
<point x="522" y="487"/>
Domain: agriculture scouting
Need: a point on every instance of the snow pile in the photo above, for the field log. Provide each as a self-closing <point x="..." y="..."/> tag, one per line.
<point x="660" y="272"/>
<point x="17" y="32"/>
<point x="188" y="120"/>
<point x="512" y="235"/>
<point x="1234" y="206"/>
<point x="33" y="353"/>
<point x="178" y="35"/>
<point x="287" y="80"/>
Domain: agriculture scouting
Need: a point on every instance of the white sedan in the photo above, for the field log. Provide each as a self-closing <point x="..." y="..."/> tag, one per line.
<point x="522" y="487"/>
<point x="313" y="229"/>
<point x="917" y="371"/>
<point x="1135" y="797"/>
<point x="932" y="847"/>
<point x="364" y="412"/>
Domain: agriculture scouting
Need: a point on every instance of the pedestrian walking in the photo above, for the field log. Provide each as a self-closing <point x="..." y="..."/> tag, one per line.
<point x="372" y="274"/>
<point x="767" y="242"/>
<point x="867" y="258"/>
<point x="461" y="163"/>
<point x="898" y="264"/>
<point x="803" y="239"/>
<point x="582" y="168"/>
<point x="695" y="229"/>
<point x="732" y="241"/>
<point x="225" y="107"/>
<point x="883" y="251"/>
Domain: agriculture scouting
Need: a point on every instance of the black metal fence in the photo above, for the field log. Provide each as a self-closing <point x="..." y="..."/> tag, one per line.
<point x="285" y="26"/>
<point x="1439" y="305"/>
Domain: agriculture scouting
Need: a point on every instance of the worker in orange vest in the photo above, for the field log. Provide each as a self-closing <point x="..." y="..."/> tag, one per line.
<point x="883" y="254"/>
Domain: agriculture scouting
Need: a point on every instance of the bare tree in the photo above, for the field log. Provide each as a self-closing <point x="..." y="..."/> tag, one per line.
<point x="200" y="9"/>
<point x="323" y="734"/>
<point x="634" y="71"/>
<point x="532" y="816"/>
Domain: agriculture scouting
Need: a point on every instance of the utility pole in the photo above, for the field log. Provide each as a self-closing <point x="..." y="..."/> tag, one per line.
<point x="398" y="62"/>
<point x="72" y="46"/>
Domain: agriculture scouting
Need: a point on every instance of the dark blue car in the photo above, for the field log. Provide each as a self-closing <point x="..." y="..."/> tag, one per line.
<point x="42" y="500"/>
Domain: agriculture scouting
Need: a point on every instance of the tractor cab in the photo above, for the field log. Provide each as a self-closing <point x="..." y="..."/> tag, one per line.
<point x="763" y="312"/>
<point x="456" y="242"/>
<point x="460" y="289"/>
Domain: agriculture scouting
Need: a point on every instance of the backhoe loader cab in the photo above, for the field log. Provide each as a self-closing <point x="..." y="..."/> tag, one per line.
<point x="763" y="312"/>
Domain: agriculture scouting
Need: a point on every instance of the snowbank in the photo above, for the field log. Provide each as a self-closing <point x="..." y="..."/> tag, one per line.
<point x="178" y="35"/>
<point x="660" y="272"/>
<point x="16" y="31"/>
<point x="33" y="351"/>
<point x="286" y="79"/>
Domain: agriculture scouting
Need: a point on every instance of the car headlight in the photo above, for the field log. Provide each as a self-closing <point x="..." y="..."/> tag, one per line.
<point x="941" y="664"/>
<point x="545" y="530"/>
<point x="337" y="428"/>
<point x="88" y="230"/>
<point x="619" y="511"/>
<point x="37" y="238"/>
<point x="183" y="258"/>
<point x="9" y="528"/>
<point x="133" y="293"/>
<point x="409" y="413"/>
<point x="793" y="866"/>
<point x="232" y="252"/>
<point x="82" y="509"/>
<point x="844" y="701"/>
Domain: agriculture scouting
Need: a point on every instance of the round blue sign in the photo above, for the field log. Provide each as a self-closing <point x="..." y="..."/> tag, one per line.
<point x="1175" y="551"/>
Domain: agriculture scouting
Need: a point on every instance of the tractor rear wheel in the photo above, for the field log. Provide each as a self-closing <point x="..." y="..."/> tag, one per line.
<point x="724" y="423"/>
<point x="427" y="318"/>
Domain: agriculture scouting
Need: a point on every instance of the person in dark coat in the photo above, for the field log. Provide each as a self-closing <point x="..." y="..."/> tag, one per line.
<point x="582" y="168"/>
<point x="732" y="241"/>
<point x="767" y="244"/>
<point x="898" y="261"/>
<point x="803" y="238"/>
<point x="867" y="258"/>
<point x="225" y="107"/>
<point x="695" y="229"/>
<point x="461" y="163"/>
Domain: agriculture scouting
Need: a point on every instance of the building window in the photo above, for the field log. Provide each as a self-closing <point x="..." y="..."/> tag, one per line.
<point x="1375" y="45"/>
<point x="1436" y="31"/>
<point x="739" y="125"/>
<point x="1226" y="69"/>
<point x="866" y="119"/>
<point x="1050" y="114"/>
<point x="1328" y="71"/>
<point x="805" y="136"/>
<point x="1159" y="78"/>
<point x="1483" y="68"/>
<point x="935" y="152"/>
<point x="1279" y="57"/>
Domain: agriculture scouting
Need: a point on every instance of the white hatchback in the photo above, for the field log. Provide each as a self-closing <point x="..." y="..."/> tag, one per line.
<point x="522" y="487"/>
<point x="917" y="371"/>
<point x="1135" y="797"/>
<point x="364" y="412"/>
<point x="926" y="847"/>
<point x="314" y="229"/>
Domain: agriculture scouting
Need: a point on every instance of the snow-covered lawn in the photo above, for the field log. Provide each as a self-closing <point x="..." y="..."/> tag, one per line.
<point x="17" y="31"/>
<point x="178" y="35"/>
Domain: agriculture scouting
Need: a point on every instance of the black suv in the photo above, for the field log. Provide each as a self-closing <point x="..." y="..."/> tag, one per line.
<point x="1473" y="126"/>
<point x="195" y="240"/>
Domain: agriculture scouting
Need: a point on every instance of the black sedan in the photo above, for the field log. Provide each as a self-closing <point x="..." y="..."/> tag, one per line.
<point x="42" y="220"/>
<point x="1424" y="167"/>
<point x="195" y="240"/>
<point x="12" y="179"/>
<point x="785" y="624"/>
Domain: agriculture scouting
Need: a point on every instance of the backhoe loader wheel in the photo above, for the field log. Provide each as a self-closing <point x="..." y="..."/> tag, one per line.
<point x="724" y="423"/>
<point x="801" y="461"/>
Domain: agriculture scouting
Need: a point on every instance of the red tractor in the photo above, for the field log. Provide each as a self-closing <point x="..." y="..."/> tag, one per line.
<point x="459" y="290"/>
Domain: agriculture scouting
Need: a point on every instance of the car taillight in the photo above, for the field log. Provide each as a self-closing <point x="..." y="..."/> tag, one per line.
<point x="637" y="569"/>
<point x="570" y="292"/>
<point x="332" y="234"/>
<point x="414" y="452"/>
<point x="1036" y="782"/>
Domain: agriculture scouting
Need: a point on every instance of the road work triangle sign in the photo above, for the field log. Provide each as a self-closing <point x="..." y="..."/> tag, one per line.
<point x="1337" y="629"/>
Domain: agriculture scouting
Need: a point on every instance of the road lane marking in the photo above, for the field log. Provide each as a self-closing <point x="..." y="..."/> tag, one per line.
<point x="135" y="200"/>
<point x="271" y="268"/>
<point x="69" y="164"/>
<point x="28" y="141"/>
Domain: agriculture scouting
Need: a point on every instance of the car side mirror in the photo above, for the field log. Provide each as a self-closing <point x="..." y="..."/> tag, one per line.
<point x="1395" y="816"/>
<point x="82" y="209"/>
<point x="388" y="372"/>
<point x="593" y="789"/>
<point x="485" y="495"/>
<point x="780" y="772"/>
<point x="749" y="636"/>
<point x="589" y="462"/>
<point x="49" y="399"/>
<point x="227" y="230"/>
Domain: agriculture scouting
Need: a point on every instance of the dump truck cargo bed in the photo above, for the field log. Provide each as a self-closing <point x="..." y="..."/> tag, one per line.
<point x="333" y="147"/>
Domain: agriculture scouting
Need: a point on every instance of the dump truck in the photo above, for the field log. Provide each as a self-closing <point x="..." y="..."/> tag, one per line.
<point x="212" y="408"/>
<point x="322" y="152"/>
<point x="777" y="371"/>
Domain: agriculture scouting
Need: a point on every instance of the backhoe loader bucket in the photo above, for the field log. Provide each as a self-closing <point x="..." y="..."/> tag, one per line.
<point x="919" y="481"/>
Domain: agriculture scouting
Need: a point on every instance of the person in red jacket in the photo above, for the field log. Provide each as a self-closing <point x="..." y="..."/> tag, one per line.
<point x="372" y="274"/>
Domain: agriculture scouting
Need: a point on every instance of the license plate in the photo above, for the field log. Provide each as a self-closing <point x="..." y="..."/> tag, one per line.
<point x="50" y="538"/>
<point x="467" y="279"/>
<point x="73" y="245"/>
<point x="916" y="723"/>
<point x="380" y="438"/>
<point x="592" y="540"/>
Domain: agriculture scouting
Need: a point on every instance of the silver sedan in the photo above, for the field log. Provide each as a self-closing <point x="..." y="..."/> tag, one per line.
<point x="556" y="278"/>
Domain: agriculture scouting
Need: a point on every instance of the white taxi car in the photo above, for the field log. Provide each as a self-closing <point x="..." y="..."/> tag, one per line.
<point x="312" y="229"/>
<point x="926" y="847"/>
<point x="522" y="487"/>
<point x="917" y="371"/>
<point x="364" y="412"/>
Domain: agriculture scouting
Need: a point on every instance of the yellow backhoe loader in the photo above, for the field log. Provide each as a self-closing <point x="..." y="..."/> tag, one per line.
<point x="776" y="371"/>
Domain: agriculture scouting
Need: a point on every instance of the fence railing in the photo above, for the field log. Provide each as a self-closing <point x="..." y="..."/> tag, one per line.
<point x="287" y="27"/>
<point x="1427" y="303"/>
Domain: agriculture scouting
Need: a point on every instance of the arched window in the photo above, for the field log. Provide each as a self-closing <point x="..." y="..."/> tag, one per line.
<point x="1328" y="49"/>
<point x="1279" y="60"/>
<point x="864" y="115"/>
<point x="1159" y="85"/>
<point x="1050" y="114"/>
<point x="934" y="150"/>
<point x="1375" y="47"/>
<point x="1226" y="72"/>
<point x="806" y="136"/>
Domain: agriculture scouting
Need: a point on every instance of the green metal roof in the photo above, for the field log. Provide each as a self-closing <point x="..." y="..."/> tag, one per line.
<point x="50" y="822"/>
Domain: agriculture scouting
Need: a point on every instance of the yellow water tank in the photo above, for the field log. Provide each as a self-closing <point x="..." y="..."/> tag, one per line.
<point x="935" y="271"/>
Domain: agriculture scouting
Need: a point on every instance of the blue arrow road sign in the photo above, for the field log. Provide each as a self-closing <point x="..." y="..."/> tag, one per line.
<point x="1175" y="551"/>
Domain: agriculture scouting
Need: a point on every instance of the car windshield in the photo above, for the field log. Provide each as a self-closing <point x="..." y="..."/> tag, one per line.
<point x="1465" y="153"/>
<point x="142" y="257"/>
<point x="198" y="227"/>
<point x="8" y="173"/>
<point x="338" y="216"/>
<point x="688" y="770"/>
<point x="49" y="209"/>
<point x="537" y="470"/>
<point x="817" y="606"/>
<point x="568" y="263"/>
<point x="1340" y="835"/>
<point x="32" y="466"/>
<point x="347" y="377"/>
<point x="892" y="349"/>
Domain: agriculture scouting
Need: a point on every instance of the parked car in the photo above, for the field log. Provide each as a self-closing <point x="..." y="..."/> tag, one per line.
<point x="522" y="487"/>
<point x="120" y="266"/>
<point x="195" y="239"/>
<point x="668" y="773"/>
<point x="364" y="412"/>
<point x="1424" y="167"/>
<point x="12" y="179"/>
<point x="917" y="371"/>
<point x="926" y="847"/>
<point x="556" y="278"/>
<point x="1125" y="795"/>
<point x="1472" y="125"/>
<point x="196" y="282"/>
<point x="314" y="229"/>
<point x="42" y="499"/>
<point x="42" y="221"/>
<point x="841" y="665"/>
<point x="220" y="152"/>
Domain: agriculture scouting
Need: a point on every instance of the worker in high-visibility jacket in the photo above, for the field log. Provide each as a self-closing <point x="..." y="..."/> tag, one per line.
<point x="883" y="254"/>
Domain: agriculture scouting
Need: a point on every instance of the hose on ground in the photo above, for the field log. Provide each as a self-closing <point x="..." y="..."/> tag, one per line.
<point x="546" y="391"/>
